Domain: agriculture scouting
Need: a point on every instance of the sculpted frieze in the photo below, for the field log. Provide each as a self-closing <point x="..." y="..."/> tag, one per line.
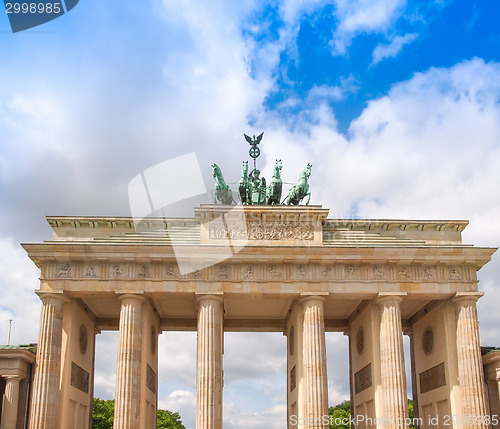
<point x="264" y="272"/>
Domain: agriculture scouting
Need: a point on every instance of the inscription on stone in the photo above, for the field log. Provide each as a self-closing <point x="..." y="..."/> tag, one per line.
<point x="79" y="378"/>
<point x="261" y="231"/>
<point x="432" y="378"/>
<point x="151" y="379"/>
<point x="363" y="378"/>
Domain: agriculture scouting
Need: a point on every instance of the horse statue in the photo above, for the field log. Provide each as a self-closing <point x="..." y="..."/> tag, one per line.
<point x="275" y="185"/>
<point x="301" y="189"/>
<point x="244" y="186"/>
<point x="222" y="192"/>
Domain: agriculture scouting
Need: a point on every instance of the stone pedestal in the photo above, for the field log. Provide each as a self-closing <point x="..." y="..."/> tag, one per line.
<point x="10" y="402"/>
<point x="314" y="380"/>
<point x="209" y="363"/>
<point x="470" y="366"/>
<point x="45" y="397"/>
<point x="392" y="367"/>
<point x="128" y="368"/>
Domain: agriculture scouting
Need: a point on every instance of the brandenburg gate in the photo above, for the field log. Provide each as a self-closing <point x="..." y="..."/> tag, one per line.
<point x="279" y="268"/>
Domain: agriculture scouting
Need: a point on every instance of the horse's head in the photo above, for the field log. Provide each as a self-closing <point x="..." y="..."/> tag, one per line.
<point x="215" y="170"/>
<point x="278" y="164"/>
<point x="306" y="172"/>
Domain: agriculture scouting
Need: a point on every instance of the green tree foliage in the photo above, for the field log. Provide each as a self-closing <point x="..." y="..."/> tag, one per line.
<point x="103" y="415"/>
<point x="410" y="413"/>
<point x="168" y="420"/>
<point x="340" y="415"/>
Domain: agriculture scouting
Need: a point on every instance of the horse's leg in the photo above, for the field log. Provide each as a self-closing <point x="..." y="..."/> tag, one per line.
<point x="309" y="195"/>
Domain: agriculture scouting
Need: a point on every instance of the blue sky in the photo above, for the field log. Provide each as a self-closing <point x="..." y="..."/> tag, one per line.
<point x="396" y="103"/>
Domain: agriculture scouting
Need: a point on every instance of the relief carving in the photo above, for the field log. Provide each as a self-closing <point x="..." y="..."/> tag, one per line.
<point x="427" y="273"/>
<point x="169" y="272"/>
<point x="301" y="271"/>
<point x="143" y="271"/>
<point x="327" y="274"/>
<point x="293" y="379"/>
<point x="222" y="272"/>
<point x="432" y="378"/>
<point x="378" y="272"/>
<point x="117" y="271"/>
<point x="363" y="378"/>
<point x="275" y="274"/>
<point x="90" y="272"/>
<point x="79" y="378"/>
<point x="352" y="272"/>
<point x="403" y="273"/>
<point x="249" y="274"/>
<point x="454" y="274"/>
<point x="151" y="379"/>
<point x="64" y="271"/>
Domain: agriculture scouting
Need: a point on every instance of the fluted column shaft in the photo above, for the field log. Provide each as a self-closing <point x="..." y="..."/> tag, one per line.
<point x="209" y="363"/>
<point x="470" y="366"/>
<point x="45" y="397"/>
<point x="314" y="379"/>
<point x="10" y="402"/>
<point x="392" y="367"/>
<point x="128" y="368"/>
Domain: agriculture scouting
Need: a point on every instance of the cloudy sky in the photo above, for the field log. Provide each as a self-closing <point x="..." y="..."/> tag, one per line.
<point x="396" y="103"/>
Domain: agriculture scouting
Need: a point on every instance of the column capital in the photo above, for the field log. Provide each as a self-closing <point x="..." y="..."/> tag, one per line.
<point x="383" y="297"/>
<point x="58" y="295"/>
<point x="466" y="296"/>
<point x="211" y="296"/>
<point x="131" y="295"/>
<point x="311" y="296"/>
<point x="13" y="377"/>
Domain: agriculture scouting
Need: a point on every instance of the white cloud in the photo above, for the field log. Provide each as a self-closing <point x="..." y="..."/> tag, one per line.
<point x="182" y="402"/>
<point x="177" y="359"/>
<point x="18" y="280"/>
<point x="363" y="16"/>
<point x="393" y="48"/>
<point x="273" y="417"/>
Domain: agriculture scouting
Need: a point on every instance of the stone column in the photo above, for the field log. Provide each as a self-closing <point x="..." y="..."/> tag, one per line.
<point x="10" y="402"/>
<point x="314" y="379"/>
<point x="470" y="364"/>
<point x="45" y="396"/>
<point x="128" y="367"/>
<point x="209" y="363"/>
<point x="392" y="366"/>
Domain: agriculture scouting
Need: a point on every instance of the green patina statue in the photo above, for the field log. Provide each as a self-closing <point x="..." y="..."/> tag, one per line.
<point x="275" y="187"/>
<point x="222" y="191"/>
<point x="252" y="188"/>
<point x="244" y="186"/>
<point x="258" y="192"/>
<point x="301" y="189"/>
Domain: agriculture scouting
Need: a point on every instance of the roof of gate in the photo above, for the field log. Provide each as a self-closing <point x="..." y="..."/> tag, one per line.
<point x="188" y="231"/>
